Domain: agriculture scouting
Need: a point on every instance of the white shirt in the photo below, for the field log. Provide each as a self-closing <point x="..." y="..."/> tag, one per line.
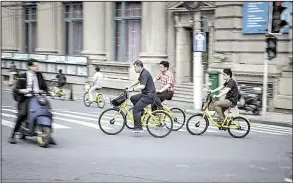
<point x="97" y="79"/>
<point x="32" y="82"/>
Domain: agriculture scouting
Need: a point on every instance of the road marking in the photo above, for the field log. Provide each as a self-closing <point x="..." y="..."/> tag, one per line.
<point x="92" y="125"/>
<point x="80" y="118"/>
<point x="11" y="124"/>
<point x="185" y="166"/>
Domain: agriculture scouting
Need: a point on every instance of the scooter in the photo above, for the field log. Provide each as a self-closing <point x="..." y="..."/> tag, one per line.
<point x="250" y="101"/>
<point x="39" y="120"/>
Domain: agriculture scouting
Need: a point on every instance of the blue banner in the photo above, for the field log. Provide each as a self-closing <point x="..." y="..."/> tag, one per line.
<point x="255" y="17"/>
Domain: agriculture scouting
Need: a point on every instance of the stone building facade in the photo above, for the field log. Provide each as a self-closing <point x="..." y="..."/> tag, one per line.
<point x="114" y="34"/>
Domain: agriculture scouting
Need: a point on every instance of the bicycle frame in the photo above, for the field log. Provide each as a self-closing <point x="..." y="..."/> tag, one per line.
<point x="228" y="117"/>
<point x="147" y="112"/>
<point x="97" y="97"/>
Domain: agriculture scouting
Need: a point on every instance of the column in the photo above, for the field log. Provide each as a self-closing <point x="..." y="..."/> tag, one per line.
<point x="9" y="26"/>
<point x="94" y="31"/>
<point x="47" y="28"/>
<point x="154" y="34"/>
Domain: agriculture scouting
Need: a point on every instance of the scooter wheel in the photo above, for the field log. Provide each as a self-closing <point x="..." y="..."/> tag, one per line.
<point x="43" y="138"/>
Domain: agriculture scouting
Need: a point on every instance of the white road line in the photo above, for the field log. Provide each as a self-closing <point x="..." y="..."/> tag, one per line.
<point x="7" y="123"/>
<point x="55" y="125"/>
<point x="92" y="125"/>
<point x="261" y="128"/>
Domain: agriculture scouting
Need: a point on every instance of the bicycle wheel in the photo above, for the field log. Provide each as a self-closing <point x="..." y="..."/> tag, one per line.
<point x="129" y="123"/>
<point x="199" y="121"/>
<point x="112" y="119"/>
<point x="63" y="95"/>
<point x="158" y="120"/>
<point x="178" y="117"/>
<point x="101" y="101"/>
<point x="86" y="99"/>
<point x="238" y="127"/>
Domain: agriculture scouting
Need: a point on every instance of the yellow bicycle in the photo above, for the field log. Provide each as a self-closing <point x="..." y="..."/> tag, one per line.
<point x="99" y="98"/>
<point x="57" y="91"/>
<point x="228" y="124"/>
<point x="178" y="116"/>
<point x="152" y="120"/>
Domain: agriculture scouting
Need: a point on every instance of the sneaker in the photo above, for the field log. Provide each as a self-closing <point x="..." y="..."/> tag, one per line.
<point x="137" y="130"/>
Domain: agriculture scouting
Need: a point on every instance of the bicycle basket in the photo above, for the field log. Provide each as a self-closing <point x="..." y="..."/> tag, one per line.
<point x="119" y="100"/>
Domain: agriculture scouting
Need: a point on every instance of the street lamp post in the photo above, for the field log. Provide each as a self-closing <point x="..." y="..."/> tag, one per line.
<point x="194" y="7"/>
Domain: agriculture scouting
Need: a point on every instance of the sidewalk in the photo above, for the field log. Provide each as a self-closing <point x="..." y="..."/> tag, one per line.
<point x="271" y="118"/>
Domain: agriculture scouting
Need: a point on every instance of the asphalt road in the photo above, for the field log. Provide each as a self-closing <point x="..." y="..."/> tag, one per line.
<point x="85" y="154"/>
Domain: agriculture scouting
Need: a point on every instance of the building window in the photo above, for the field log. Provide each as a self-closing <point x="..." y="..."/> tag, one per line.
<point x="127" y="30"/>
<point x="30" y="21"/>
<point x="73" y="28"/>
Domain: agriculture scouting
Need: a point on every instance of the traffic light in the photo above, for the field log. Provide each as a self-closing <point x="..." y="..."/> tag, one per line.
<point x="271" y="46"/>
<point x="276" y="22"/>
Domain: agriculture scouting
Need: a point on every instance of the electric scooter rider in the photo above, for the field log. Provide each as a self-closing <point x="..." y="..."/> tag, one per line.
<point x="30" y="80"/>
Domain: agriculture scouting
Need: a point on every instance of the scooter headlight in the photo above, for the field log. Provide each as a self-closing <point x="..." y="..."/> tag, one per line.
<point x="42" y="101"/>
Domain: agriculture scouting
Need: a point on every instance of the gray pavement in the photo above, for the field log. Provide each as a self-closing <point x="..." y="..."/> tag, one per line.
<point x="85" y="154"/>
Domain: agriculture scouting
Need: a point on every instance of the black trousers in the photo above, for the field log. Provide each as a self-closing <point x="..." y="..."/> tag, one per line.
<point x="140" y="101"/>
<point x="166" y="95"/>
<point x="21" y="115"/>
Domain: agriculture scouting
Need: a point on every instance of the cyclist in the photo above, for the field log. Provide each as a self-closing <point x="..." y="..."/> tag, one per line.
<point x="13" y="72"/>
<point x="61" y="79"/>
<point x="146" y="97"/>
<point x="167" y="85"/>
<point x="230" y="89"/>
<point x="97" y="83"/>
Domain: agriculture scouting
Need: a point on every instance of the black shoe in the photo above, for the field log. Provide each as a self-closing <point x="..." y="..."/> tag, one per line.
<point x="12" y="140"/>
<point x="52" y="141"/>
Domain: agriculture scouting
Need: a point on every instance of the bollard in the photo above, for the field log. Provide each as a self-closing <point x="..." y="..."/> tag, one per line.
<point x="71" y="93"/>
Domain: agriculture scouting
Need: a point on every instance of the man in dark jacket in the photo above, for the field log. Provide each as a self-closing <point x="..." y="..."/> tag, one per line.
<point x="32" y="80"/>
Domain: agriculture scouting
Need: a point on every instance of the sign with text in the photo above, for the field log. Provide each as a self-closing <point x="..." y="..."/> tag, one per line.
<point x="255" y="17"/>
<point x="199" y="42"/>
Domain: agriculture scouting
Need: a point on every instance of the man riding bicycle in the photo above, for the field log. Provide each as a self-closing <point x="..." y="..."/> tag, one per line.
<point x="61" y="79"/>
<point x="146" y="97"/>
<point x="230" y="89"/>
<point x="97" y="83"/>
<point x="167" y="85"/>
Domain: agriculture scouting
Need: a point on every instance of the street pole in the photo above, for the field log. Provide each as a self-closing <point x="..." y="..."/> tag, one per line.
<point x="197" y="80"/>
<point x="265" y="85"/>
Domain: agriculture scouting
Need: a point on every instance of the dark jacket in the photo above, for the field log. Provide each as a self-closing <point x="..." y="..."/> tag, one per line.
<point x="22" y="82"/>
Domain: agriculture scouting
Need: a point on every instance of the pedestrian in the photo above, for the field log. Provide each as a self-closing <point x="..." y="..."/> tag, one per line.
<point x="143" y="99"/>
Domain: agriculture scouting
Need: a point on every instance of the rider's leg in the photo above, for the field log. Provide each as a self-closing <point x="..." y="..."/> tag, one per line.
<point x="21" y="116"/>
<point x="91" y="93"/>
<point x="138" y="107"/>
<point x="135" y="98"/>
<point x="220" y="107"/>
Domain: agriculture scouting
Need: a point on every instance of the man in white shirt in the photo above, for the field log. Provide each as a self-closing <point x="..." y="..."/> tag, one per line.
<point x="97" y="83"/>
